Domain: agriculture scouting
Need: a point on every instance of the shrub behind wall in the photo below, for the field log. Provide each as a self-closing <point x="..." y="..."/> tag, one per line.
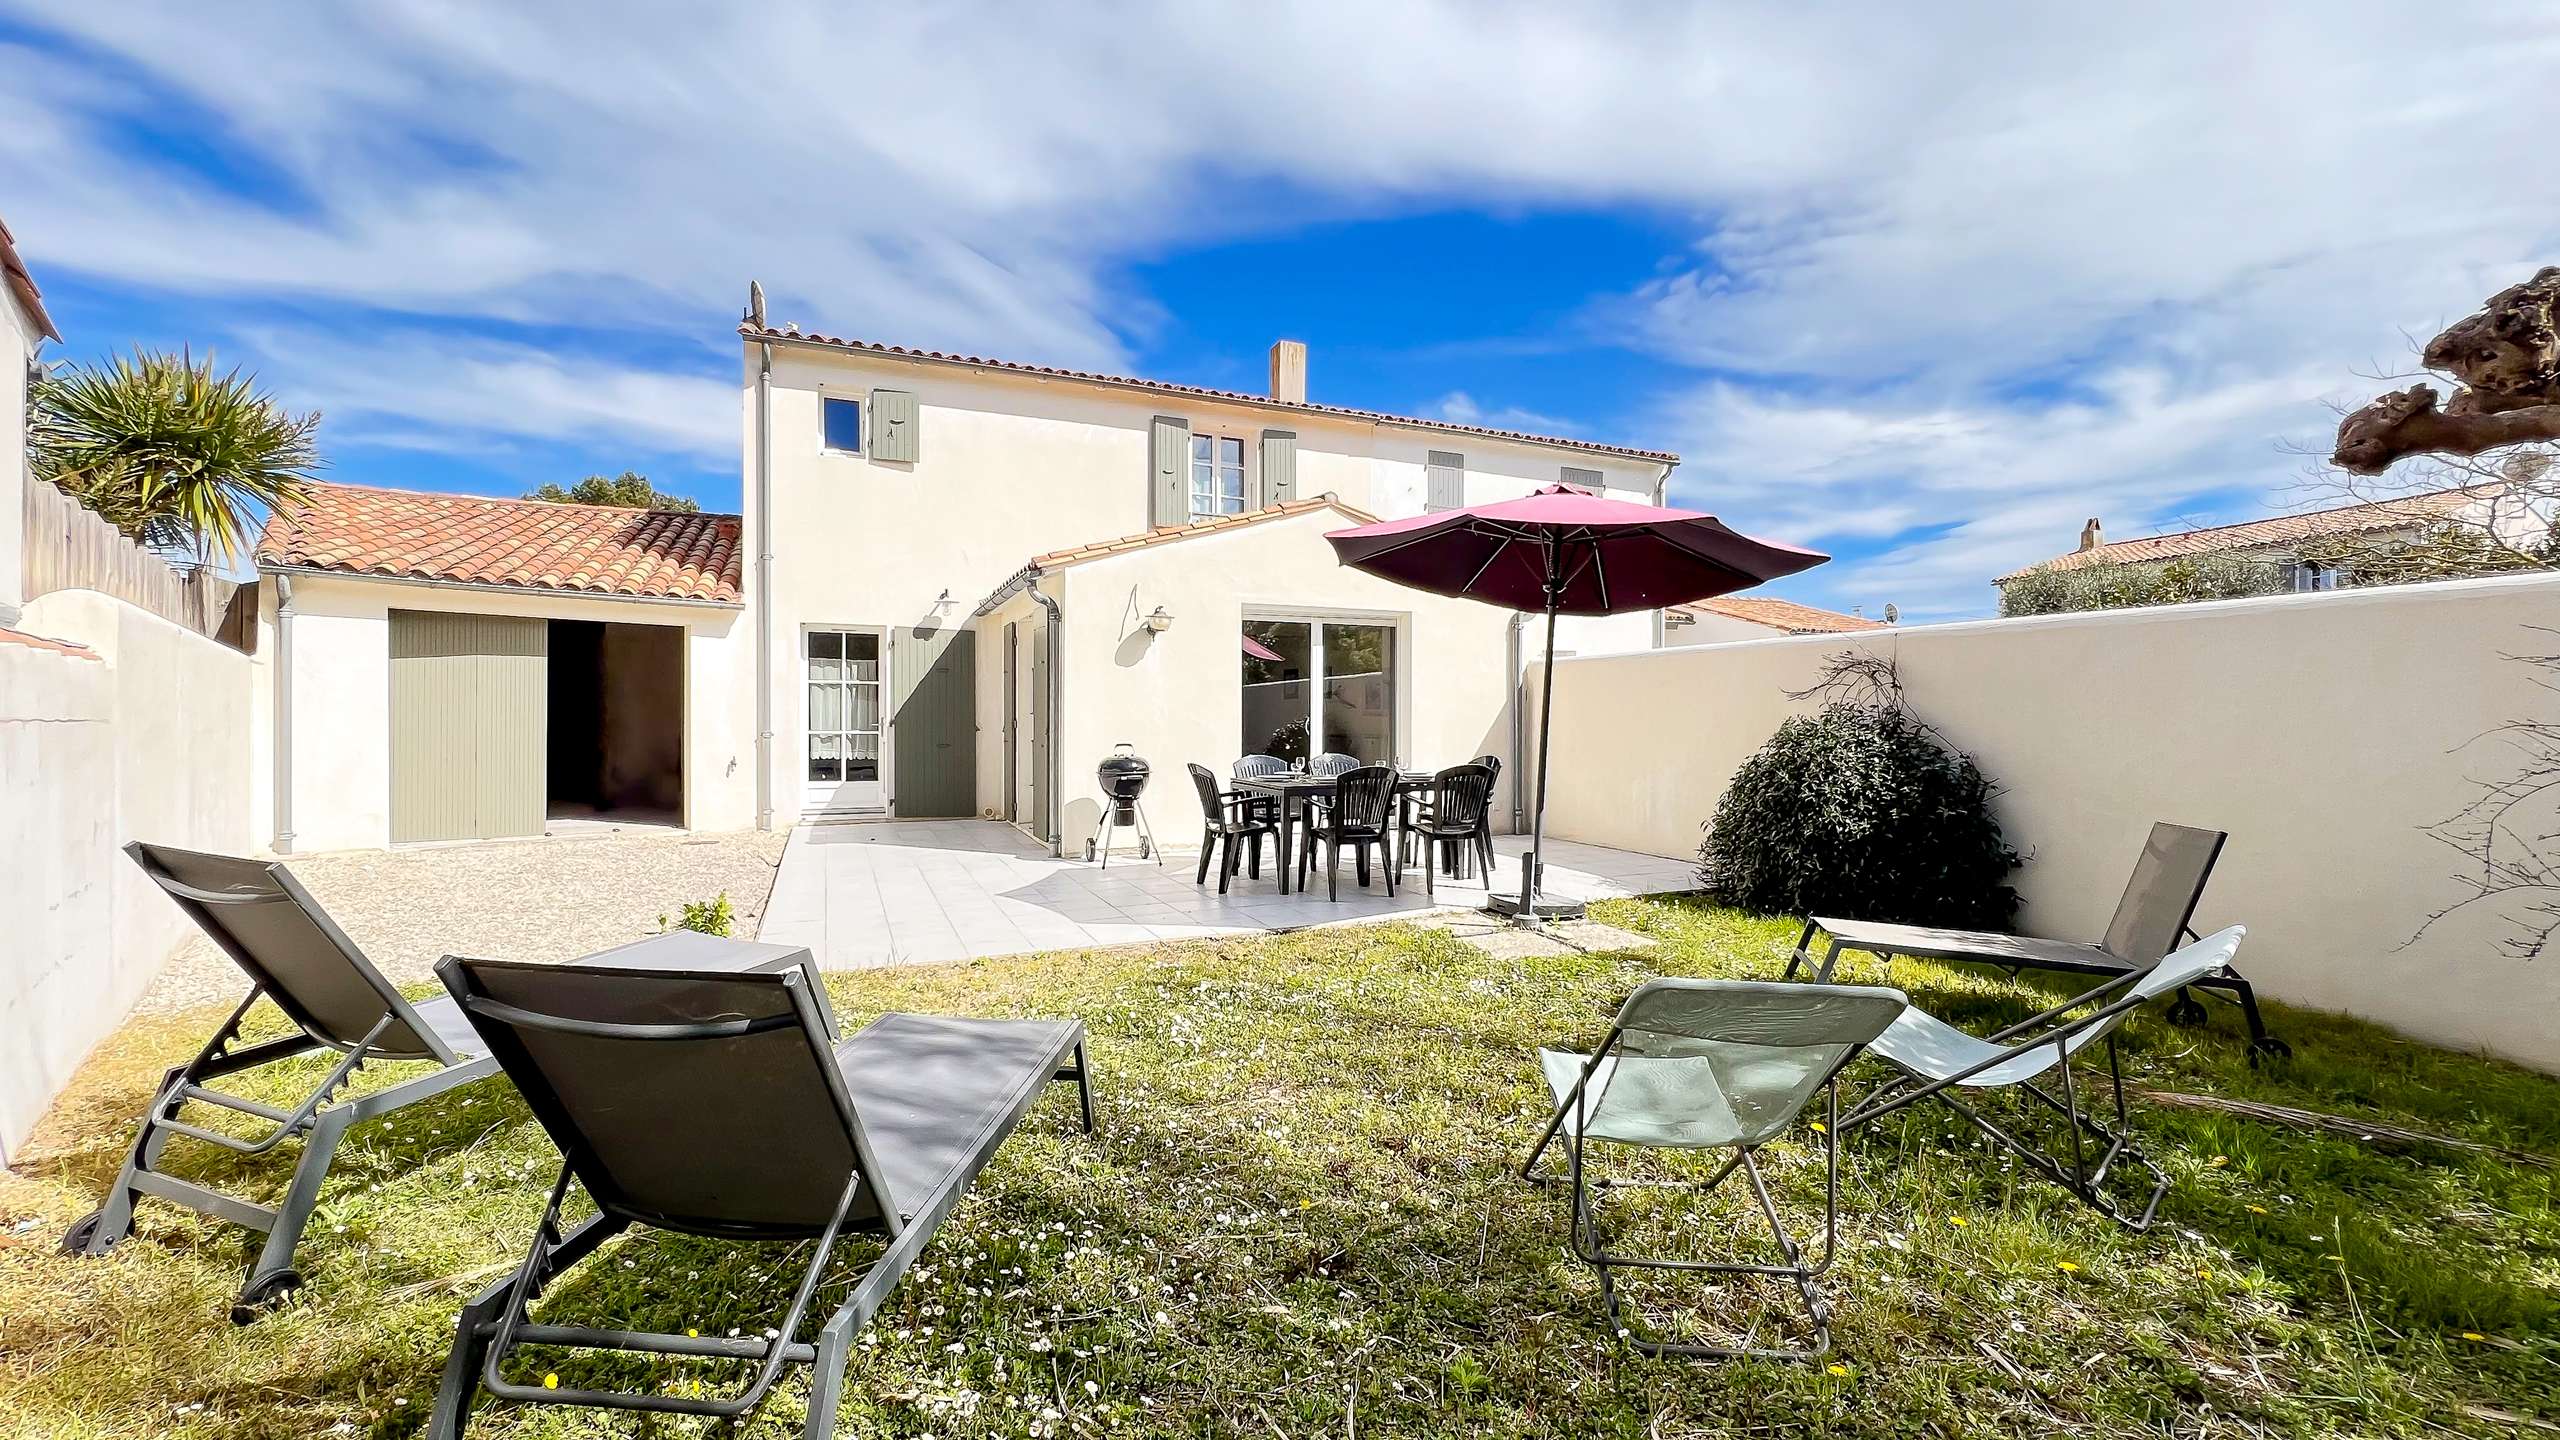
<point x="1862" y="813"/>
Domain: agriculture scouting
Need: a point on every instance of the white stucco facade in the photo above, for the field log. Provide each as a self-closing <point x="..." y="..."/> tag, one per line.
<point x="339" y="760"/>
<point x="1173" y="696"/>
<point x="1011" y="466"/>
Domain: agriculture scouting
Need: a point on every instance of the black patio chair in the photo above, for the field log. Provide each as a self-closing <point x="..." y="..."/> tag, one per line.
<point x="298" y="958"/>
<point x="713" y="1103"/>
<point x="1325" y="766"/>
<point x="1360" y="813"/>
<point x="1228" y="817"/>
<point x="1449" y="816"/>
<point x="2154" y="916"/>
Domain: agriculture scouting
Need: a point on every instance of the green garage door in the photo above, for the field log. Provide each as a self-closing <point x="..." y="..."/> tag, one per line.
<point x="933" y="722"/>
<point x="468" y="702"/>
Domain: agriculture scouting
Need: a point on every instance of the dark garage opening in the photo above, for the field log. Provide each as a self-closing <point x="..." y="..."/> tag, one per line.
<point x="616" y="726"/>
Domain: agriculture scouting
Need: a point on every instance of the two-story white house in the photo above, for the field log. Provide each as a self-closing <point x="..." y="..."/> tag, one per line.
<point x="970" y="579"/>
<point x="957" y="584"/>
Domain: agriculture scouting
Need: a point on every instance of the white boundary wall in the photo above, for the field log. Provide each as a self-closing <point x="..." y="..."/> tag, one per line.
<point x="147" y="737"/>
<point x="2326" y="732"/>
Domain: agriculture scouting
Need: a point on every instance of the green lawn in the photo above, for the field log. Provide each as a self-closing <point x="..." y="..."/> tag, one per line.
<point x="1299" y="1220"/>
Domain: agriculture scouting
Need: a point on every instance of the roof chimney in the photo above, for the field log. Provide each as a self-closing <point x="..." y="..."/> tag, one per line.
<point x="1289" y="371"/>
<point x="2092" y="535"/>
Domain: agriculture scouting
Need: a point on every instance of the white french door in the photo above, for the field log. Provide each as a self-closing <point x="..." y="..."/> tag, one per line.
<point x="841" y="717"/>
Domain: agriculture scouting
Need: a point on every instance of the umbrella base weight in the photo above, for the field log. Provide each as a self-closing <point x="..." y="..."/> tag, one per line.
<point x="1545" y="907"/>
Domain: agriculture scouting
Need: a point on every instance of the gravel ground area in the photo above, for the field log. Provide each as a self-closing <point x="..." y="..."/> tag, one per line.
<point x="551" y="899"/>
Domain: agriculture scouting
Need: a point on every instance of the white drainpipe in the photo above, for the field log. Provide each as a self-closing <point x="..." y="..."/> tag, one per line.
<point x="1661" y="496"/>
<point x="283" y="662"/>
<point x="764" y="587"/>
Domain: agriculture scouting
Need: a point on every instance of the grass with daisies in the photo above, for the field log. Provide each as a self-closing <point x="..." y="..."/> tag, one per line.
<point x="1300" y="1219"/>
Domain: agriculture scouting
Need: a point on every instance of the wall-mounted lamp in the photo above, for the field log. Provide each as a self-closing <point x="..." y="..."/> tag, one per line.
<point x="942" y="601"/>
<point x="1157" y="621"/>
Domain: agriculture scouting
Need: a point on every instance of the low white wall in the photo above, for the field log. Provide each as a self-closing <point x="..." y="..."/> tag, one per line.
<point x="145" y="738"/>
<point x="2325" y="732"/>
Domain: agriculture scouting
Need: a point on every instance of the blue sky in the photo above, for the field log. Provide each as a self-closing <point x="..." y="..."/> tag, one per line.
<point x="1922" y="286"/>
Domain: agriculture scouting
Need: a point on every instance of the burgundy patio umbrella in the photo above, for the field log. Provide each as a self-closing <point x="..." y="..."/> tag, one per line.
<point x="1565" y="551"/>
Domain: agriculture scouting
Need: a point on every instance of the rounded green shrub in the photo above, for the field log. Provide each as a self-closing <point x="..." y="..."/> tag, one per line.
<point x="1862" y="813"/>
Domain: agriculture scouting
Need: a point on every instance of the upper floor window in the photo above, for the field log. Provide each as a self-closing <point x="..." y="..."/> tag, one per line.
<point x="2315" y="577"/>
<point x="1445" y="481"/>
<point x="843" y="424"/>
<point x="1217" y="476"/>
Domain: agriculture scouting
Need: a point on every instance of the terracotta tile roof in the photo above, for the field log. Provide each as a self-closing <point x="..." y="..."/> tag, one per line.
<point x="23" y="284"/>
<point x="59" y="647"/>
<point x="1784" y="615"/>
<point x="1233" y="397"/>
<point x="2396" y="513"/>
<point x="532" y="544"/>
<point x="1164" y="534"/>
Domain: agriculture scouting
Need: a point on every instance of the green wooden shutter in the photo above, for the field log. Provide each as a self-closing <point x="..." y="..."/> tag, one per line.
<point x="933" y="722"/>
<point x="1279" y="466"/>
<point x="1169" y="471"/>
<point x="893" y="425"/>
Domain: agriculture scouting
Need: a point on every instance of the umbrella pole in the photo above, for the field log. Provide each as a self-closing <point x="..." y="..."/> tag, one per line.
<point x="1528" y="910"/>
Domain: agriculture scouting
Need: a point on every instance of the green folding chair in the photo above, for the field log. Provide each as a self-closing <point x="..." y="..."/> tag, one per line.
<point x="1712" y="1065"/>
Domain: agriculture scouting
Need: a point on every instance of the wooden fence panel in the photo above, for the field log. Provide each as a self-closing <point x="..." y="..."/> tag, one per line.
<point x="68" y="547"/>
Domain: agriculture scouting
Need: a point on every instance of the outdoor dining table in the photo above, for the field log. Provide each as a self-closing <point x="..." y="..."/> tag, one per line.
<point x="1293" y="791"/>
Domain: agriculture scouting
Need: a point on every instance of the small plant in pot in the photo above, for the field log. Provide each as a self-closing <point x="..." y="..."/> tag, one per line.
<point x="1861" y="811"/>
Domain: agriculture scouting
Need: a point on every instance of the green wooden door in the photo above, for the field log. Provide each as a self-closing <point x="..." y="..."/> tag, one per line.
<point x="469" y="702"/>
<point x="933" y="723"/>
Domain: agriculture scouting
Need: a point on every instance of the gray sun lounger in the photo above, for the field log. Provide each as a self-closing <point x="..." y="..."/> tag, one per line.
<point x="717" y="1104"/>
<point x="298" y="958"/>
<point x="2155" y="915"/>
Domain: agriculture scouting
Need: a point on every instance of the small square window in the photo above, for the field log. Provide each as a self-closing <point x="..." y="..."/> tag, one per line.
<point x="844" y="425"/>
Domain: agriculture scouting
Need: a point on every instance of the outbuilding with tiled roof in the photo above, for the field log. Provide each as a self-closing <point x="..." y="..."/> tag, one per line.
<point x="467" y="667"/>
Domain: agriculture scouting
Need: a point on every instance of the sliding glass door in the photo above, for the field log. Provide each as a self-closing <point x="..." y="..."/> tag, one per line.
<point x="1320" y="686"/>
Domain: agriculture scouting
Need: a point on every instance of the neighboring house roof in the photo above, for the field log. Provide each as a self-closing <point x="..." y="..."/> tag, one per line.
<point x="2397" y="513"/>
<point x="1167" y="387"/>
<point x="23" y="285"/>
<point x="1166" y="535"/>
<point x="600" y="550"/>
<point x="1784" y="615"/>
<point x="59" y="647"/>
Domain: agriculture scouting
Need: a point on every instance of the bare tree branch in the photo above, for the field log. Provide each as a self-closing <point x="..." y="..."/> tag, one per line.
<point x="2505" y="361"/>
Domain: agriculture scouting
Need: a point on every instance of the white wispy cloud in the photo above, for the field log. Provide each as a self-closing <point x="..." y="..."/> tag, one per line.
<point x="1960" y="277"/>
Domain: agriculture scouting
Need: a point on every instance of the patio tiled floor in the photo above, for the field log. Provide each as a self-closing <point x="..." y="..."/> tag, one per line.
<point x="918" y="892"/>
